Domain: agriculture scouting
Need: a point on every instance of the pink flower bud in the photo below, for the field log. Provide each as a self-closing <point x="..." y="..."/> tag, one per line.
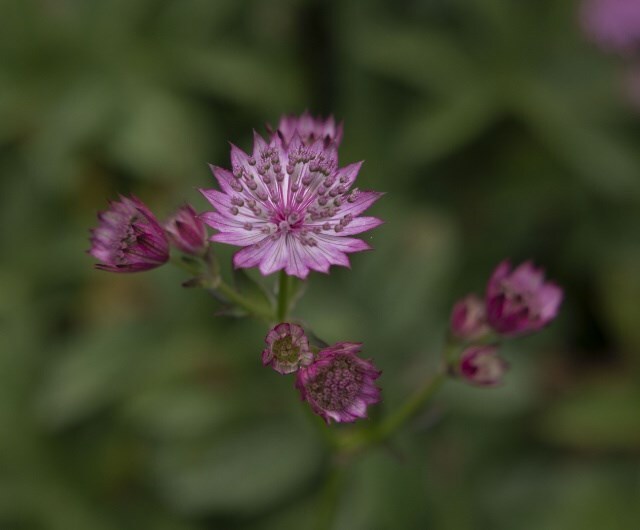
<point x="482" y="366"/>
<point x="520" y="301"/>
<point x="129" y="238"/>
<point x="468" y="318"/>
<point x="187" y="231"/>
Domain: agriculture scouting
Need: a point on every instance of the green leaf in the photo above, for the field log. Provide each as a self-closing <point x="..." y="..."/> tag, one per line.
<point x="602" y="415"/>
<point x="243" y="471"/>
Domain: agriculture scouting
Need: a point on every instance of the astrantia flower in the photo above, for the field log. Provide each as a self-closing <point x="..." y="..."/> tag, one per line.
<point x="129" y="238"/>
<point x="287" y="348"/>
<point x="613" y="24"/>
<point x="468" y="318"/>
<point x="310" y="129"/>
<point x="187" y="231"/>
<point x="339" y="385"/>
<point x="520" y="301"/>
<point x="290" y="206"/>
<point x="481" y="365"/>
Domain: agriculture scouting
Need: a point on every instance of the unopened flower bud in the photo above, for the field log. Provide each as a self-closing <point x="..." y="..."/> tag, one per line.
<point x="187" y="231"/>
<point x="129" y="238"/>
<point x="468" y="318"/>
<point x="482" y="366"/>
<point x="520" y="301"/>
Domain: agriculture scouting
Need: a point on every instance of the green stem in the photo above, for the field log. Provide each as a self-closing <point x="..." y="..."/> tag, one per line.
<point x="357" y="440"/>
<point x="211" y="279"/>
<point x="410" y="408"/>
<point x="283" y="297"/>
<point x="236" y="298"/>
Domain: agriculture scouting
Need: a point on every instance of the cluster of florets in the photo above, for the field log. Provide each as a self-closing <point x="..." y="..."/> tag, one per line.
<point x="291" y="207"/>
<point x="517" y="302"/>
<point x="335" y="381"/>
<point x="288" y="203"/>
<point x="130" y="238"/>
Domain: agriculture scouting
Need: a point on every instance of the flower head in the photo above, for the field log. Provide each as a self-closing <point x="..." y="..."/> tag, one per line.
<point x="613" y="24"/>
<point x="482" y="366"/>
<point x="287" y="348"/>
<point x="520" y="301"/>
<point x="187" y="231"/>
<point x="290" y="207"/>
<point x="310" y="129"/>
<point x="468" y="318"/>
<point x="129" y="238"/>
<point x="339" y="385"/>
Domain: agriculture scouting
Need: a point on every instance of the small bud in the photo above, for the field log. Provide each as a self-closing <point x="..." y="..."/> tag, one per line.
<point x="520" y="301"/>
<point x="468" y="318"/>
<point x="287" y="348"/>
<point x="482" y="366"/>
<point x="187" y="231"/>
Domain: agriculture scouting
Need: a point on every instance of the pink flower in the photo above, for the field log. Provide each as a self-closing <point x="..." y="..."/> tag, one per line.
<point x="468" y="318"/>
<point x="187" y="231"/>
<point x="287" y="348"/>
<point x="310" y="129"/>
<point x="339" y="385"/>
<point x="482" y="366"/>
<point x="129" y="238"/>
<point x="613" y="24"/>
<point x="520" y="301"/>
<point x="290" y="207"/>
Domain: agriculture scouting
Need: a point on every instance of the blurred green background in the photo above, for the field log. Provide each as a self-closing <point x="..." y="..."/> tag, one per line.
<point x="497" y="131"/>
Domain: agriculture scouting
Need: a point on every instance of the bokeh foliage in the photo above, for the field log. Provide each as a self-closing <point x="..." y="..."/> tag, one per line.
<point x="495" y="128"/>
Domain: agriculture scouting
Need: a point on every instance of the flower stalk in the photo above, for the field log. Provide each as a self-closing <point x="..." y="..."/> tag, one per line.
<point x="284" y="286"/>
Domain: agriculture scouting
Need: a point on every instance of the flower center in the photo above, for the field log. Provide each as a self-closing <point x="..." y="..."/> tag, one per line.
<point x="128" y="239"/>
<point x="285" y="351"/>
<point x="337" y="386"/>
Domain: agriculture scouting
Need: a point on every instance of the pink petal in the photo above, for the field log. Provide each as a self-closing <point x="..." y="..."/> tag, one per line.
<point x="295" y="264"/>
<point x="275" y="257"/>
<point x="361" y="224"/>
<point x="241" y="239"/>
<point x="238" y="157"/>
<point x="224" y="178"/>
<point x="220" y="201"/>
<point x="225" y="223"/>
<point x="350" y="172"/>
<point x="344" y="244"/>
<point x="362" y="202"/>
<point x="250" y="256"/>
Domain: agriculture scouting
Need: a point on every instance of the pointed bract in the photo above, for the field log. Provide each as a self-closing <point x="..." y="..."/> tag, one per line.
<point x="128" y="238"/>
<point x="339" y="385"/>
<point x="290" y="206"/>
<point x="309" y="129"/>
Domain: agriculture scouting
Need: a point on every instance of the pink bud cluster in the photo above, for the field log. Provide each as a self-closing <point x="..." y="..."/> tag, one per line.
<point x="517" y="302"/>
<point x="129" y="237"/>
